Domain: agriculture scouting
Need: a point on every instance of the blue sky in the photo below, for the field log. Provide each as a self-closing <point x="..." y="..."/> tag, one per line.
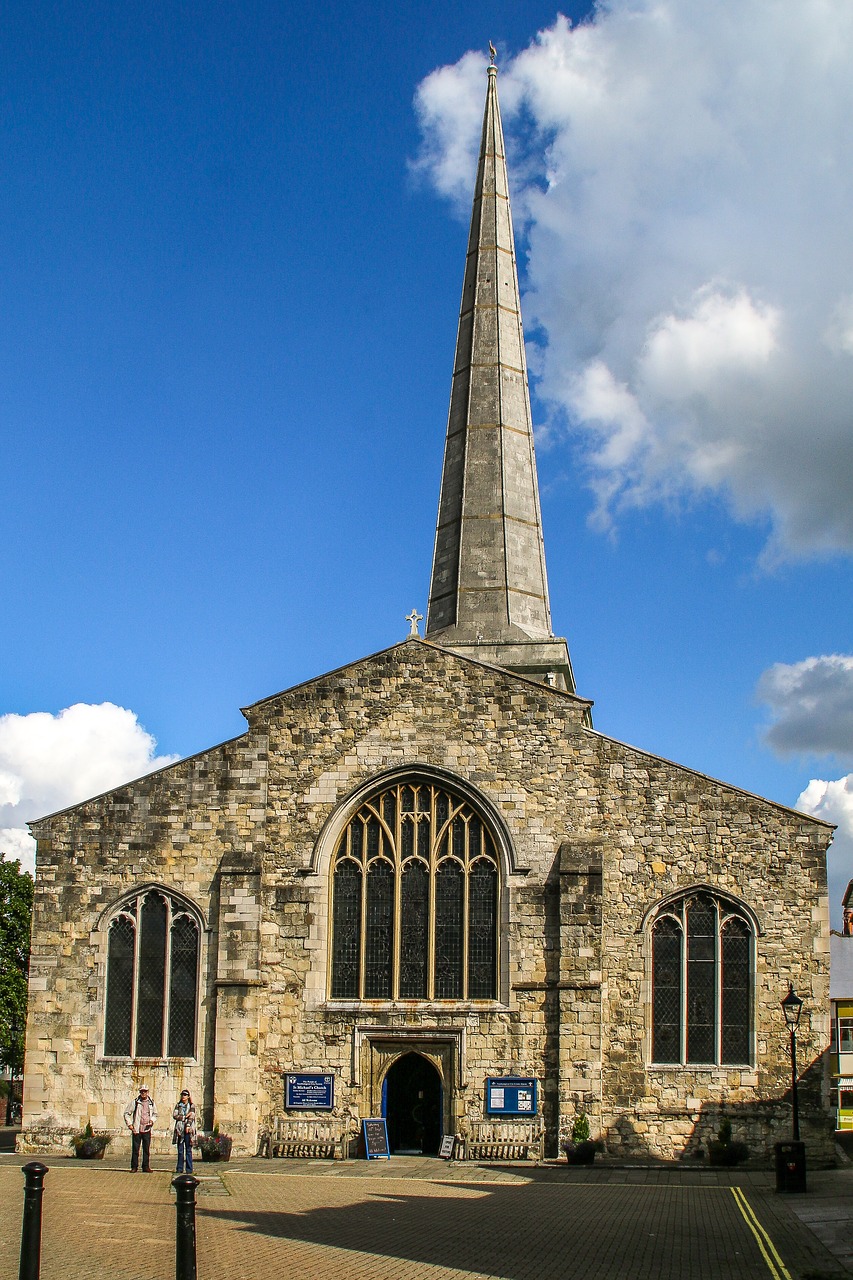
<point x="231" y="251"/>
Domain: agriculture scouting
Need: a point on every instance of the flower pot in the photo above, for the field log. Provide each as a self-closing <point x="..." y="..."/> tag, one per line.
<point x="213" y="1149"/>
<point x="90" y="1151"/>
<point x="580" y="1152"/>
<point x="727" y="1153"/>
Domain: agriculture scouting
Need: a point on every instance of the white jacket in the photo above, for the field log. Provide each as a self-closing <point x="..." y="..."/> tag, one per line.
<point x="131" y="1115"/>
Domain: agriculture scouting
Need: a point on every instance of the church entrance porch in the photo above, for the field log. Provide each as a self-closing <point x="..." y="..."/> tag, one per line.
<point x="412" y="1106"/>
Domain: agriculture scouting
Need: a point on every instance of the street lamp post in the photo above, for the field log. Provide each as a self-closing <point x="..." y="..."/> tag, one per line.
<point x="792" y="1007"/>
<point x="791" y="1156"/>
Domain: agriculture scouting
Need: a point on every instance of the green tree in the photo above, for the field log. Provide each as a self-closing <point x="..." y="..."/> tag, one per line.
<point x="16" y="906"/>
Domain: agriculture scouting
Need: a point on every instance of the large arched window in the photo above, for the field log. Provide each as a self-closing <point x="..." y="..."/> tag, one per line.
<point x="152" y="979"/>
<point x="415" y="893"/>
<point x="701" y="982"/>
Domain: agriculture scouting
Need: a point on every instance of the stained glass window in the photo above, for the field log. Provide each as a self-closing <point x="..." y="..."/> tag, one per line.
<point x="701" y="983"/>
<point x="152" y="979"/>
<point x="425" y="925"/>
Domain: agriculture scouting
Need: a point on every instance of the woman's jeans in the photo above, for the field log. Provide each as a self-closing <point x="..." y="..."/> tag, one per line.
<point x="185" y="1153"/>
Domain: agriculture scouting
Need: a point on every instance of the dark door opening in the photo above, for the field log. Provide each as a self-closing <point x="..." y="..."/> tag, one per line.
<point x="413" y="1106"/>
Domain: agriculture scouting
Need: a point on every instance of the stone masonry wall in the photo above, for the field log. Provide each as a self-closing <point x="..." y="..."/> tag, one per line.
<point x="597" y="834"/>
<point x="172" y="828"/>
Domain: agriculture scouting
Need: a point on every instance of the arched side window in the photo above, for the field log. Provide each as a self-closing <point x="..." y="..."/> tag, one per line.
<point x="152" y="979"/>
<point x="701" y="983"/>
<point x="415" y="899"/>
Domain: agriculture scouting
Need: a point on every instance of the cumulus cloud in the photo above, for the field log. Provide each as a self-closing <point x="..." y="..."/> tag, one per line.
<point x="50" y="761"/>
<point x="833" y="801"/>
<point x="682" y="172"/>
<point x="812" y="705"/>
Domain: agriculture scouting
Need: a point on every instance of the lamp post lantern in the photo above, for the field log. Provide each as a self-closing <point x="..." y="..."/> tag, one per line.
<point x="791" y="1156"/>
<point x="792" y="1007"/>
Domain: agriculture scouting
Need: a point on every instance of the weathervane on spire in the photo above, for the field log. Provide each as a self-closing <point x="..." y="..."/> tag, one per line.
<point x="493" y="53"/>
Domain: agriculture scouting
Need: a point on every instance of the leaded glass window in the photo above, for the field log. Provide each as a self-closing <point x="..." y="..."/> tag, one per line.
<point x="118" y="1031"/>
<point x="152" y="979"/>
<point x="666" y="990"/>
<point x="415" y="899"/>
<point x="736" y="945"/>
<point x="347" y="930"/>
<point x="449" y="943"/>
<point x="701" y="983"/>
<point x="378" y="951"/>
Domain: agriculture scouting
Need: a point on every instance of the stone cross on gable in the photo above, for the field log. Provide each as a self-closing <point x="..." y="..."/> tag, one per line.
<point x="413" y="619"/>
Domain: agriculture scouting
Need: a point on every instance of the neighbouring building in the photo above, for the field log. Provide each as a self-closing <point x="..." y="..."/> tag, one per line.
<point x="841" y="1000"/>
<point x="427" y="871"/>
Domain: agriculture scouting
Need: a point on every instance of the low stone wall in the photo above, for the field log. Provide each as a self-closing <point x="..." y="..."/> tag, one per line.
<point x="55" y="1140"/>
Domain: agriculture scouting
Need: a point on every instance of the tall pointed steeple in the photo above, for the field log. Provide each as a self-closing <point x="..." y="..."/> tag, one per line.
<point x="489" y="590"/>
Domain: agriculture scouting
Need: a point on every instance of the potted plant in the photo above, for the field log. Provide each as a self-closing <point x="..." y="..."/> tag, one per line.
<point x="579" y="1148"/>
<point x="89" y="1145"/>
<point x="722" y="1150"/>
<point x="215" y="1146"/>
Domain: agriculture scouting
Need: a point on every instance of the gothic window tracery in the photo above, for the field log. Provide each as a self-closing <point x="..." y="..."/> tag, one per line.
<point x="701" y="954"/>
<point x="152" y="978"/>
<point x="415" y="899"/>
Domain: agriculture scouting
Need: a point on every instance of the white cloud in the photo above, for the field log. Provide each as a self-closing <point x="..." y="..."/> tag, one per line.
<point x="812" y="705"/>
<point x="682" y="169"/>
<point x="50" y="761"/>
<point x="833" y="801"/>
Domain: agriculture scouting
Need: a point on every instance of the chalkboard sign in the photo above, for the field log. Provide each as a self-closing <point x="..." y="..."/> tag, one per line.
<point x="309" y="1091"/>
<point x="448" y="1142"/>
<point x="511" y="1096"/>
<point x="376" y="1139"/>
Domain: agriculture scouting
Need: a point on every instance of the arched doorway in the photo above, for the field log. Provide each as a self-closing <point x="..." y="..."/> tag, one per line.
<point x="411" y="1096"/>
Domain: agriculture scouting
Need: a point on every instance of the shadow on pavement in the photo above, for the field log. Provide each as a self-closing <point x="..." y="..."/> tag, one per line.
<point x="522" y="1233"/>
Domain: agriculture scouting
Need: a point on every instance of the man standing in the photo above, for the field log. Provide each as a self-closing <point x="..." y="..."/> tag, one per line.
<point x="139" y="1118"/>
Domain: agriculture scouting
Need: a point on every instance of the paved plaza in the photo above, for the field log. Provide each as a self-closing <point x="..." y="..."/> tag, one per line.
<point x="421" y="1219"/>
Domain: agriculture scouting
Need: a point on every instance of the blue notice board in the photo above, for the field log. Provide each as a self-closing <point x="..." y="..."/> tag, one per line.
<point x="309" y="1091"/>
<point x="511" y="1096"/>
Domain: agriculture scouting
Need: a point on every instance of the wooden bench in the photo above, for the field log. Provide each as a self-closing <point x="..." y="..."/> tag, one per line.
<point x="303" y="1139"/>
<point x="502" y="1140"/>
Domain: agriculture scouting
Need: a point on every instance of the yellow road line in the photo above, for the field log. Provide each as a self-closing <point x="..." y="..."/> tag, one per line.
<point x="768" y="1249"/>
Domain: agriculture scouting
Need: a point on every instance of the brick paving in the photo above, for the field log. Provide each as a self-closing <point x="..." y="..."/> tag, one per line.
<point x="411" y="1220"/>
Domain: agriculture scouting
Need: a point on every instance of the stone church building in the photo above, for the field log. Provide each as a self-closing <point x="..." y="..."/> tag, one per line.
<point x="425" y="887"/>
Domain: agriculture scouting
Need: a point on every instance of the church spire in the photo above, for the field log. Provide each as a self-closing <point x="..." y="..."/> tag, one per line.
<point x="489" y="591"/>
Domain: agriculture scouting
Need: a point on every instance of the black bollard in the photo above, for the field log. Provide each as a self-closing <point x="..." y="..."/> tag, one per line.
<point x="185" y="1185"/>
<point x="31" y="1226"/>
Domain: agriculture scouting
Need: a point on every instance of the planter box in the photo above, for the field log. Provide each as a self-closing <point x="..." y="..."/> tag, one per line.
<point x="214" y="1149"/>
<point x="90" y="1151"/>
<point x="727" y="1153"/>
<point x="580" y="1152"/>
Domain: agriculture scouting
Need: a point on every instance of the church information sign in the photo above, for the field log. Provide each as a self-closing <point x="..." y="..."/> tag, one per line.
<point x="376" y="1139"/>
<point x="511" y="1096"/>
<point x="309" y="1091"/>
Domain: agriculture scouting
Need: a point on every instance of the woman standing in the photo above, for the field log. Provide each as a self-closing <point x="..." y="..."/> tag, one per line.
<point x="185" y="1131"/>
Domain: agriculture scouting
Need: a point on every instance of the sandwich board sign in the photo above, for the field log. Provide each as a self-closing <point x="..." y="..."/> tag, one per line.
<point x="376" y="1138"/>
